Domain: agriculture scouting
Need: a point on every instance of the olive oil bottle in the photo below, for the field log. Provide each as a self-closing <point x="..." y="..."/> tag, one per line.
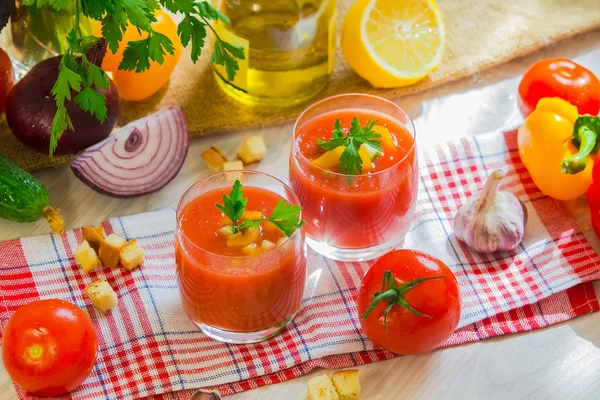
<point x="289" y="47"/>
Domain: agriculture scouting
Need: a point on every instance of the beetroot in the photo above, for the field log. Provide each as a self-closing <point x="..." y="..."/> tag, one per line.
<point x="30" y="109"/>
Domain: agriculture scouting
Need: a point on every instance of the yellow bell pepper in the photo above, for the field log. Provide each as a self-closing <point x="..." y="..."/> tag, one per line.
<point x="556" y="144"/>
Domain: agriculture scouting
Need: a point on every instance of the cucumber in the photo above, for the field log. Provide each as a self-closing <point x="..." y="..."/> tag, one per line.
<point x="23" y="198"/>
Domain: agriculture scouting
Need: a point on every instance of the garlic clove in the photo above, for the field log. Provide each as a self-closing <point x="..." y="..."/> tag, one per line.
<point x="492" y="220"/>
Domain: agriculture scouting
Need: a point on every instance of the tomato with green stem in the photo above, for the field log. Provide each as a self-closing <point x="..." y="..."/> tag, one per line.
<point x="408" y="302"/>
<point x="49" y="347"/>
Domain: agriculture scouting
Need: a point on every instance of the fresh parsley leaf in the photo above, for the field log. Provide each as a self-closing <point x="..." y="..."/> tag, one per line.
<point x="225" y="54"/>
<point x="206" y="10"/>
<point x="92" y="102"/>
<point x="138" y="13"/>
<point x="96" y="9"/>
<point x="136" y="56"/>
<point x="113" y="27"/>
<point x="158" y="45"/>
<point x="66" y="81"/>
<point x="95" y="75"/>
<point x="191" y="28"/>
<point x="350" y="160"/>
<point x="284" y="217"/>
<point x="234" y="204"/>
<point x="175" y="6"/>
<point x="60" y="123"/>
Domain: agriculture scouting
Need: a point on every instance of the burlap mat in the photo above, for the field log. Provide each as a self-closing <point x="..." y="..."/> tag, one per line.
<point x="480" y="34"/>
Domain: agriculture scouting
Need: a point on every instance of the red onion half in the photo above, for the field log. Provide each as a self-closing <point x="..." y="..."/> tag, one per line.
<point x="139" y="158"/>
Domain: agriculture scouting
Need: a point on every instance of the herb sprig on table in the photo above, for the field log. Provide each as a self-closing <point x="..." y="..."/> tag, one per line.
<point x="284" y="215"/>
<point x="350" y="160"/>
<point x="77" y="76"/>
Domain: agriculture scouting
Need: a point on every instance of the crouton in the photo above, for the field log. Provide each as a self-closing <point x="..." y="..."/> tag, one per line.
<point x="233" y="166"/>
<point x="103" y="297"/>
<point x="253" y="150"/>
<point x="346" y="384"/>
<point x="94" y="235"/>
<point x="86" y="256"/>
<point x="110" y="250"/>
<point x="213" y="158"/>
<point x="321" y="388"/>
<point x="132" y="255"/>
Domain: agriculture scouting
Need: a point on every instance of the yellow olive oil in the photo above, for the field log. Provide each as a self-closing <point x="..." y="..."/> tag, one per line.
<point x="289" y="47"/>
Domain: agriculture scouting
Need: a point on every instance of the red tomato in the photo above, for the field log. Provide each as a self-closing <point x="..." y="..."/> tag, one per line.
<point x="49" y="347"/>
<point x="559" y="77"/>
<point x="421" y="296"/>
<point x="7" y="79"/>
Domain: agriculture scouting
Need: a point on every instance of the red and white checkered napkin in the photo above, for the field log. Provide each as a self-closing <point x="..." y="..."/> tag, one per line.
<point x="148" y="347"/>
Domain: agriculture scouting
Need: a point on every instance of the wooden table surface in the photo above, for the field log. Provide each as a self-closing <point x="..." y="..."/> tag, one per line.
<point x="560" y="362"/>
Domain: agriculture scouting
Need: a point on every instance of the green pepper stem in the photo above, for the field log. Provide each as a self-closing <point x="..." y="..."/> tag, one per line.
<point x="585" y="137"/>
<point x="578" y="161"/>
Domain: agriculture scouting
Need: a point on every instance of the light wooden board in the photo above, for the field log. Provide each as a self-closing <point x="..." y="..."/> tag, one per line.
<point x="560" y="362"/>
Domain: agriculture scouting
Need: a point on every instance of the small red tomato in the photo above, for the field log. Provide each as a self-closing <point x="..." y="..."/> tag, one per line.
<point x="7" y="79"/>
<point x="559" y="77"/>
<point x="49" y="347"/>
<point x="408" y="302"/>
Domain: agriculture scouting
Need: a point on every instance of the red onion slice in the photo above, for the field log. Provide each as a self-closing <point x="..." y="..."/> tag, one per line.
<point x="139" y="158"/>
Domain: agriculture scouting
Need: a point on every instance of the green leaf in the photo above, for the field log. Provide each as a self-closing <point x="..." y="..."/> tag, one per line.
<point x="234" y="204"/>
<point x="138" y="13"/>
<point x="350" y="159"/>
<point x="92" y="102"/>
<point x="158" y="45"/>
<point x="66" y="81"/>
<point x="135" y="56"/>
<point x="113" y="27"/>
<point x="72" y="39"/>
<point x="96" y="76"/>
<point x="182" y="6"/>
<point x="222" y="55"/>
<point x="60" y="123"/>
<point x="285" y="217"/>
<point x="206" y="10"/>
<point x="96" y="9"/>
<point x="190" y="28"/>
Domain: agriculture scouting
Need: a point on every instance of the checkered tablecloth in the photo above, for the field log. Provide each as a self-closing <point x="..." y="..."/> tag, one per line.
<point x="148" y="347"/>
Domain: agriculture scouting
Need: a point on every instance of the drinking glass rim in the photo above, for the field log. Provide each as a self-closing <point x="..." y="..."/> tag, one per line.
<point x="354" y="94"/>
<point x="250" y="172"/>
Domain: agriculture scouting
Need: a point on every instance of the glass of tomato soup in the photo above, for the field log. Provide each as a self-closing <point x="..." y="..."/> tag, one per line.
<point x="240" y="284"/>
<point x="354" y="212"/>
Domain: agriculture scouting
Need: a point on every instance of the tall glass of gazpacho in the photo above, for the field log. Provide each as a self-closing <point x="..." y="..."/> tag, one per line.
<point x="354" y="168"/>
<point x="240" y="255"/>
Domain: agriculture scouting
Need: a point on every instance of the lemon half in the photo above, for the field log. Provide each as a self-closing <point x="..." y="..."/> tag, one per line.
<point x="393" y="43"/>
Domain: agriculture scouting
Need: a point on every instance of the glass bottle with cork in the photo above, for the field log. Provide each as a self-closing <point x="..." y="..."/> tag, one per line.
<point x="289" y="49"/>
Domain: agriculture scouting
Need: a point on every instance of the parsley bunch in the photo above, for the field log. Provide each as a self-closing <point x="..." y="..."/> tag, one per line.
<point x="350" y="160"/>
<point x="77" y="75"/>
<point x="284" y="215"/>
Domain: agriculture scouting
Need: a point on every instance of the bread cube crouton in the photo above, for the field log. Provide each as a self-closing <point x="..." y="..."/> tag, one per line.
<point x="110" y="250"/>
<point x="253" y="150"/>
<point x="132" y="255"/>
<point x="86" y="256"/>
<point x="213" y="158"/>
<point x="94" y="236"/>
<point x="321" y="388"/>
<point x="103" y="297"/>
<point x="233" y="166"/>
<point x="347" y="384"/>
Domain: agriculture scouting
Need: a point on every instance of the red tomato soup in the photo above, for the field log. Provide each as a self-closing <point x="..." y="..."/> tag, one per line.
<point x="376" y="207"/>
<point x="226" y="288"/>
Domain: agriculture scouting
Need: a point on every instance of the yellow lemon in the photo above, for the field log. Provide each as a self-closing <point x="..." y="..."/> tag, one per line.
<point x="393" y="43"/>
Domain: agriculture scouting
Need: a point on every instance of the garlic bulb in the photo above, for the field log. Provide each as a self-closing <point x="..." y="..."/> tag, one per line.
<point x="491" y="220"/>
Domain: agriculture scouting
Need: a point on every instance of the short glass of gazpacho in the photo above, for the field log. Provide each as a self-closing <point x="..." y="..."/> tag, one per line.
<point x="354" y="168"/>
<point x="240" y="255"/>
